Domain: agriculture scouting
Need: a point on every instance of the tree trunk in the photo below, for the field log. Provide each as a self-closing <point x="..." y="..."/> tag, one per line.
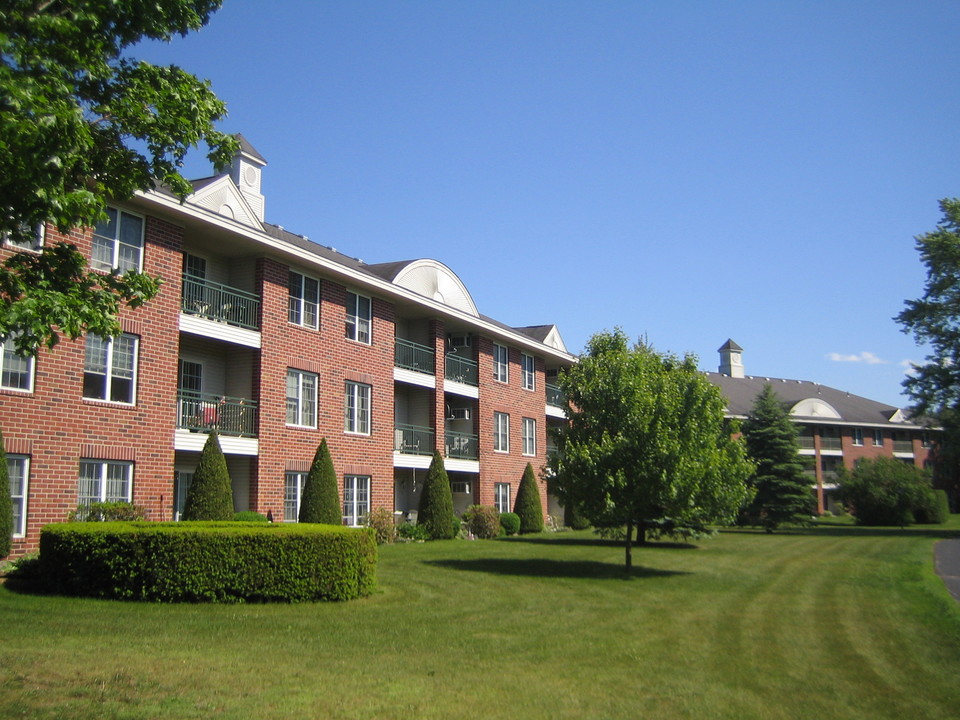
<point x="628" y="550"/>
<point x="641" y="533"/>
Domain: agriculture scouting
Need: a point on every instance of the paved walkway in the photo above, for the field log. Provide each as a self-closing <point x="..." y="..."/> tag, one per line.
<point x="946" y="558"/>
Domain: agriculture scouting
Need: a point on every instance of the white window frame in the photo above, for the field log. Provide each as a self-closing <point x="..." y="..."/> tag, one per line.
<point x="857" y="437"/>
<point x="356" y="499"/>
<point x="501" y="363"/>
<point x="529" y="430"/>
<point x="182" y="480"/>
<point x="528" y="364"/>
<point x="39" y="236"/>
<point x="501" y="432"/>
<point x="103" y="480"/>
<point x="112" y="371"/>
<point x="293" y="482"/>
<point x="19" y="495"/>
<point x="357" y="408"/>
<point x="501" y="497"/>
<point x="9" y="360"/>
<point x="878" y="437"/>
<point x="303" y="402"/>
<point x="301" y="309"/>
<point x="113" y="242"/>
<point x="359" y="318"/>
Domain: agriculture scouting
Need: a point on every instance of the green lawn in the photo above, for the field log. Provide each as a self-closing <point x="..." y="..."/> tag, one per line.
<point x="830" y="622"/>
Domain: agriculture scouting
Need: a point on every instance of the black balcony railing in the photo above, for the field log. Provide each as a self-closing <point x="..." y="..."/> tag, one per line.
<point x="462" y="370"/>
<point x="413" y="356"/>
<point x="413" y="440"/>
<point x="221" y="303"/>
<point x="462" y="446"/>
<point x="203" y="412"/>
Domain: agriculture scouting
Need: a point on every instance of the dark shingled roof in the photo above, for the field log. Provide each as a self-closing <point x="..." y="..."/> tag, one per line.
<point x="537" y="332"/>
<point x="247" y="149"/>
<point x="741" y="393"/>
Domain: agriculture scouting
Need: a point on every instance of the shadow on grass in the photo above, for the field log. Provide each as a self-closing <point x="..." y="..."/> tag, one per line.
<point x="595" y="542"/>
<point x="828" y="529"/>
<point x="535" y="567"/>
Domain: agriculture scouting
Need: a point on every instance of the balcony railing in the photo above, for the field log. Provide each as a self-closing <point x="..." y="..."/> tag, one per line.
<point x="221" y="303"/>
<point x="203" y="412"/>
<point x="462" y="370"/>
<point x="413" y="356"/>
<point x="830" y="443"/>
<point x="462" y="446"/>
<point x="554" y="396"/>
<point x="903" y="446"/>
<point x="413" y="440"/>
<point x="806" y="442"/>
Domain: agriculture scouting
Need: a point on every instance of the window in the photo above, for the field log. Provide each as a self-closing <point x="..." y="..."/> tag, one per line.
<point x="501" y="497"/>
<point x="529" y="371"/>
<point x="292" y="492"/>
<point x="878" y="438"/>
<point x="181" y="486"/>
<point x="858" y="437"/>
<point x="356" y="498"/>
<point x="358" y="318"/>
<point x="529" y="436"/>
<point x="501" y="363"/>
<point x="304" y="301"/>
<point x="356" y="412"/>
<point x="30" y="240"/>
<point x="104" y="481"/>
<point x="109" y="368"/>
<point x="301" y="398"/>
<point x="18" y="470"/>
<point x="16" y="371"/>
<point x="118" y="242"/>
<point x="501" y="432"/>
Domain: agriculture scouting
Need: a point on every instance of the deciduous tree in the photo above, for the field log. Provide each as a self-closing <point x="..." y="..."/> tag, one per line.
<point x="885" y="491"/>
<point x="782" y="489"/>
<point x="646" y="441"/>
<point x="82" y="123"/>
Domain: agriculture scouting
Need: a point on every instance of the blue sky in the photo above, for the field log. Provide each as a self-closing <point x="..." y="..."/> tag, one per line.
<point x="688" y="171"/>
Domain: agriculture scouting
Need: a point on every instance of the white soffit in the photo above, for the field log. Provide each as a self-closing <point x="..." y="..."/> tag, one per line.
<point x="436" y="281"/>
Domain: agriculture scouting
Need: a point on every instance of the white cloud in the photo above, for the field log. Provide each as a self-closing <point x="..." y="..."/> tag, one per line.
<point x="865" y="357"/>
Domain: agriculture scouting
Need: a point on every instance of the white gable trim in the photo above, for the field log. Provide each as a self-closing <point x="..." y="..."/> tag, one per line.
<point x="222" y="197"/>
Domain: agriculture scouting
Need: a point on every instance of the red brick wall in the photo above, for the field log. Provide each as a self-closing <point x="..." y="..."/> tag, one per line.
<point x="56" y="427"/>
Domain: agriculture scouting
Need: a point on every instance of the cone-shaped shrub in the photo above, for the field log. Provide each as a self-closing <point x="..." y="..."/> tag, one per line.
<point x="320" y="499"/>
<point x="527" y="505"/>
<point x="436" y="502"/>
<point x="6" y="505"/>
<point x="210" y="496"/>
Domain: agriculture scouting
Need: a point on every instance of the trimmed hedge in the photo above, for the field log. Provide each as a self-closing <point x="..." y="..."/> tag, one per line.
<point x="208" y="561"/>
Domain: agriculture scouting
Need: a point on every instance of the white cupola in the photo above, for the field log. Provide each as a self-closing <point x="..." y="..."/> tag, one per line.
<point x="245" y="171"/>
<point x="731" y="359"/>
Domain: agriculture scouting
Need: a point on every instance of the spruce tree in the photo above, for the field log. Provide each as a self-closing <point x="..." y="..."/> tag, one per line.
<point x="527" y="505"/>
<point x="320" y="499"/>
<point x="210" y="496"/>
<point x="782" y="488"/>
<point x="436" y="501"/>
<point x="6" y="505"/>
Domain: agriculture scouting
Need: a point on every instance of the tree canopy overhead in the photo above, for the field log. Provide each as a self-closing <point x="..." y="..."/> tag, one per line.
<point x="82" y="124"/>
<point x="647" y="444"/>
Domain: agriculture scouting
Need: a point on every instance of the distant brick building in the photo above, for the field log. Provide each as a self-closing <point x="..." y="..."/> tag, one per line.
<point x="836" y="428"/>
<point x="276" y="342"/>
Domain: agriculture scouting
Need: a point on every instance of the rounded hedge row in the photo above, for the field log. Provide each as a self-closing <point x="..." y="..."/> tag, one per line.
<point x="208" y="561"/>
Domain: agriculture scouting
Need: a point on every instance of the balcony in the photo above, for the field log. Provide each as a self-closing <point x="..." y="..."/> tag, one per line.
<point x="554" y="396"/>
<point x="204" y="412"/>
<point x="903" y="446"/>
<point x="220" y="303"/>
<point x="828" y="442"/>
<point x="462" y="446"/>
<point x="462" y="370"/>
<point x="413" y="440"/>
<point x="413" y="356"/>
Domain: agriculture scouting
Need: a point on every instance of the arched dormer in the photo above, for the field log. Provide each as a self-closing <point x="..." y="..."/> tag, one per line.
<point x="436" y="281"/>
<point x="815" y="407"/>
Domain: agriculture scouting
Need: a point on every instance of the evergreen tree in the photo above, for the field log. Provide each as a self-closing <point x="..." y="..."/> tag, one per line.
<point x="210" y="496"/>
<point x="6" y="505"/>
<point x="320" y="500"/>
<point x="527" y="505"/>
<point x="782" y="488"/>
<point x="436" y="501"/>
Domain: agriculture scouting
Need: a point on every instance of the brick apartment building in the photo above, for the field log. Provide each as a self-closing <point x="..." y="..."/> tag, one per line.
<point x="836" y="428"/>
<point x="277" y="342"/>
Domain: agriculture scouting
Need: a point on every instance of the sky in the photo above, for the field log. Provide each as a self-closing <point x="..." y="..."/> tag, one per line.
<point x="687" y="171"/>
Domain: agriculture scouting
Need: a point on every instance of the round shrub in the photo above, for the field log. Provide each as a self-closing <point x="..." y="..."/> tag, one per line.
<point x="483" y="521"/>
<point x="208" y="561"/>
<point x="510" y="522"/>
